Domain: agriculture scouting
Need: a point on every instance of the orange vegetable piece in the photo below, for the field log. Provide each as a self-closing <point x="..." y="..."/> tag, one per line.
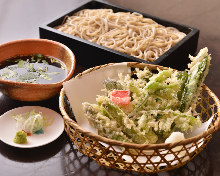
<point x="121" y="97"/>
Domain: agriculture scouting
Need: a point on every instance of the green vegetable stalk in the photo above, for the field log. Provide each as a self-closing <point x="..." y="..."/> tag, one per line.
<point x="197" y="74"/>
<point x="103" y="124"/>
<point x="128" y="127"/>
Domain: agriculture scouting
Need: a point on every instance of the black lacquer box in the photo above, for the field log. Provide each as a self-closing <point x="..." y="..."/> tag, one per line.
<point x="89" y="54"/>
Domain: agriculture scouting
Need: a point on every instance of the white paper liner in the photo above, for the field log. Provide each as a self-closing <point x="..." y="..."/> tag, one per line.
<point x="86" y="89"/>
<point x="204" y="126"/>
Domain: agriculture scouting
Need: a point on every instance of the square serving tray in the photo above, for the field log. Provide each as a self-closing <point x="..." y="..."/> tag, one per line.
<point x="89" y="54"/>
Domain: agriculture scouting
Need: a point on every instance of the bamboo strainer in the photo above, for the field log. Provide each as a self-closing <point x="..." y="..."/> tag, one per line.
<point x="145" y="158"/>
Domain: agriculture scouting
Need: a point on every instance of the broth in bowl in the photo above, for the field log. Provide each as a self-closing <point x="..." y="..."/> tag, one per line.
<point x="36" y="68"/>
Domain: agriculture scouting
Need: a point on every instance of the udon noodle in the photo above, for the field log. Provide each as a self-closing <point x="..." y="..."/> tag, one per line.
<point x="125" y="32"/>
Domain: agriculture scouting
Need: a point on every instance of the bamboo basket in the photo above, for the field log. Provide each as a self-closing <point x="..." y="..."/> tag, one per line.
<point x="144" y="158"/>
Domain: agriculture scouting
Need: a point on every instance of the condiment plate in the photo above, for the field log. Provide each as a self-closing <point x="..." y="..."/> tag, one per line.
<point x="51" y="132"/>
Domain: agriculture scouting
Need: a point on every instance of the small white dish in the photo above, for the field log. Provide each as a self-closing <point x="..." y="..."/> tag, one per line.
<point x="51" y="132"/>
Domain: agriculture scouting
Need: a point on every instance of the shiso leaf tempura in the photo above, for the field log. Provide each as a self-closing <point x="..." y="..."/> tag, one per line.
<point x="147" y="107"/>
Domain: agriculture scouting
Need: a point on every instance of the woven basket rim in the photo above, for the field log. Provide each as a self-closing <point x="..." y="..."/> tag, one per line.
<point x="132" y="145"/>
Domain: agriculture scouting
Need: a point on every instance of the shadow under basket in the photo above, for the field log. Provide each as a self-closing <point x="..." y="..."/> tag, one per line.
<point x="144" y="158"/>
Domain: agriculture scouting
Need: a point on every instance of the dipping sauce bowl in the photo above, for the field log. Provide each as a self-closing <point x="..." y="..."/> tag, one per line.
<point x="33" y="91"/>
